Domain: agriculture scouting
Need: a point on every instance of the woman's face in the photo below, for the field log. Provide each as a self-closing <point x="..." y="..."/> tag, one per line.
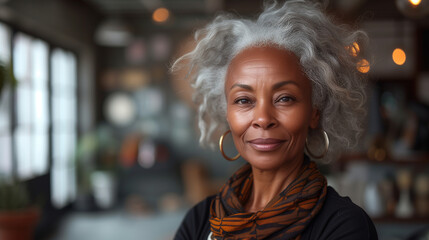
<point x="269" y="107"/>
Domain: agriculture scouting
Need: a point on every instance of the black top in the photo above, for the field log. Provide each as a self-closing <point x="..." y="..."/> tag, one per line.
<point x="339" y="218"/>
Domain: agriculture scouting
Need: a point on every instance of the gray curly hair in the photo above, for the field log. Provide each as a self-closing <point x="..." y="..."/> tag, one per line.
<point x="322" y="47"/>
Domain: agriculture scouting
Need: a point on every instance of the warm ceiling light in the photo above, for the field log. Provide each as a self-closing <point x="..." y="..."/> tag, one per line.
<point x="399" y="56"/>
<point x="160" y="15"/>
<point x="363" y="66"/>
<point x="415" y="2"/>
<point x="413" y="8"/>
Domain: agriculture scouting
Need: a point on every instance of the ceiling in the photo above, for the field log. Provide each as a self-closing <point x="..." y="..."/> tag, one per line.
<point x="360" y="10"/>
<point x="143" y="6"/>
<point x="130" y="7"/>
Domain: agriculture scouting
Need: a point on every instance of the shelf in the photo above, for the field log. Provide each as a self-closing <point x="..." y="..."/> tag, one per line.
<point x="416" y="159"/>
<point x="391" y="219"/>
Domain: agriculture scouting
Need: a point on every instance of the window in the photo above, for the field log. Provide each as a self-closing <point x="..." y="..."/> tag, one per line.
<point x="38" y="117"/>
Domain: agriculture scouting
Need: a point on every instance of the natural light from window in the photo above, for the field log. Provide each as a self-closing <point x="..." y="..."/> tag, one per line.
<point x="63" y="126"/>
<point x="30" y="58"/>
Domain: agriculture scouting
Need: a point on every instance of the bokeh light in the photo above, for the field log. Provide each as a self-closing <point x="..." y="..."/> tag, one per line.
<point x="161" y="15"/>
<point x="415" y="2"/>
<point x="399" y="56"/>
<point x="363" y="66"/>
<point x="354" y="49"/>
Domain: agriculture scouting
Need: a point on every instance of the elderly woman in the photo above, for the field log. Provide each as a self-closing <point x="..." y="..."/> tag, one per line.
<point x="284" y="86"/>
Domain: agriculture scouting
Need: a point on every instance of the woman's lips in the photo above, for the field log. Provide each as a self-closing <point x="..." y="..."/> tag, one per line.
<point x="266" y="144"/>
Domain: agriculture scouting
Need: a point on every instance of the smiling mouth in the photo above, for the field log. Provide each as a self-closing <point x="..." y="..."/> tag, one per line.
<point x="266" y="144"/>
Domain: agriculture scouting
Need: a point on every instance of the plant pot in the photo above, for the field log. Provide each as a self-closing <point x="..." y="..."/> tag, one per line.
<point x="18" y="224"/>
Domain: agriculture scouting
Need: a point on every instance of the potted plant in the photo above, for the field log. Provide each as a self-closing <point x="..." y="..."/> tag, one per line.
<point x="17" y="217"/>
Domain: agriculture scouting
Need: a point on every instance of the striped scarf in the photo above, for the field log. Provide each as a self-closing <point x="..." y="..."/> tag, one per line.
<point x="284" y="217"/>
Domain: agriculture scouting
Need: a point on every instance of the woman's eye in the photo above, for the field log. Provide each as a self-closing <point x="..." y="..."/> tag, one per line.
<point x="285" y="99"/>
<point x="242" y="101"/>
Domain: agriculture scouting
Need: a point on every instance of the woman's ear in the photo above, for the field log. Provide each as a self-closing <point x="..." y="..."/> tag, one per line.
<point x="315" y="116"/>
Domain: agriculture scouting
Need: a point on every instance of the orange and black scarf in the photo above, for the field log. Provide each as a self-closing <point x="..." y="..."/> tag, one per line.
<point x="285" y="216"/>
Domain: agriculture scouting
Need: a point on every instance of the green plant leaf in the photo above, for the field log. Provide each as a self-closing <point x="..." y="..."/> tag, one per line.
<point x="7" y="76"/>
<point x="3" y="77"/>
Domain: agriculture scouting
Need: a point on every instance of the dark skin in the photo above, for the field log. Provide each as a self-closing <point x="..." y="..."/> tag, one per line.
<point x="269" y="112"/>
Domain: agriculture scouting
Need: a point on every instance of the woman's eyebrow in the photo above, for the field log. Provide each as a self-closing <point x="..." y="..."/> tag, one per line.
<point x="276" y="86"/>
<point x="281" y="84"/>
<point x="247" y="87"/>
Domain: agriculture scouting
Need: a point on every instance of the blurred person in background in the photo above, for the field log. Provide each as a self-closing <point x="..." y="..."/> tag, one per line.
<point x="286" y="88"/>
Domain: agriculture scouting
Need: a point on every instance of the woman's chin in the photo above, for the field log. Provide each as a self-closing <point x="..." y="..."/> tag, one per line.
<point x="267" y="163"/>
<point x="270" y="160"/>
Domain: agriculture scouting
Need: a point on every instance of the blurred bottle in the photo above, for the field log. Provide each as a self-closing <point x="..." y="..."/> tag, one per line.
<point x="373" y="200"/>
<point x="387" y="190"/>
<point x="422" y="195"/>
<point x="404" y="209"/>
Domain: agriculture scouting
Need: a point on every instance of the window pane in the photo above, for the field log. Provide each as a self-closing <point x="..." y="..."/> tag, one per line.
<point x="23" y="152"/>
<point x="60" y="111"/>
<point x="40" y="65"/>
<point x="5" y="153"/>
<point x="23" y="100"/>
<point x="22" y="133"/>
<point x="40" y="151"/>
<point x="58" y="69"/>
<point x="21" y="57"/>
<point x="39" y="74"/>
<point x="41" y="110"/>
<point x="60" y="148"/>
<point x="71" y="115"/>
<point x="63" y="126"/>
<point x="4" y="43"/>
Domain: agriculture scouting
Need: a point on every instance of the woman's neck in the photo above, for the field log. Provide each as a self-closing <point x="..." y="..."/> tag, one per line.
<point x="269" y="183"/>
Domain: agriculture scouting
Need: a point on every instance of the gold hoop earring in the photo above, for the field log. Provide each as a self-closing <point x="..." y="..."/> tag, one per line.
<point x="221" y="148"/>
<point x="325" y="136"/>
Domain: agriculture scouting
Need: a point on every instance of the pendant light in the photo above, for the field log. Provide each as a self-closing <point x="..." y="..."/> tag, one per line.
<point x="113" y="32"/>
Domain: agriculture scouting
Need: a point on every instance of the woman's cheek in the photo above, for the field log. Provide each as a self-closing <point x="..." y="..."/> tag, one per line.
<point x="297" y="120"/>
<point x="238" y="120"/>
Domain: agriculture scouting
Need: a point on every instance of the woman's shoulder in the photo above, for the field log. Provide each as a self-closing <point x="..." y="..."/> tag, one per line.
<point x="340" y="218"/>
<point x="196" y="224"/>
<point x="335" y="202"/>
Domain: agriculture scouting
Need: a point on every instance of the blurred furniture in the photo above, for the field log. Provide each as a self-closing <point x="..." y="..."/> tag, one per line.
<point x="114" y="225"/>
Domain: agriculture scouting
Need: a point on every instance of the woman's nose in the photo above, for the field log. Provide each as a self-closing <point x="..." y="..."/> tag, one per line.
<point x="264" y="116"/>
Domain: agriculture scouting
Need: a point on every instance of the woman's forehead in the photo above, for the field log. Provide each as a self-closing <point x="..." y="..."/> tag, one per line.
<point x="264" y="61"/>
<point x="268" y="51"/>
<point x="258" y="55"/>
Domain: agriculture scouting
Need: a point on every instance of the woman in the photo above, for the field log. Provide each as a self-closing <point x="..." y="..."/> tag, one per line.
<point x="281" y="85"/>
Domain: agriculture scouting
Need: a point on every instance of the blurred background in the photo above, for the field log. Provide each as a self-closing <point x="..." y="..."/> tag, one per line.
<point x="99" y="141"/>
